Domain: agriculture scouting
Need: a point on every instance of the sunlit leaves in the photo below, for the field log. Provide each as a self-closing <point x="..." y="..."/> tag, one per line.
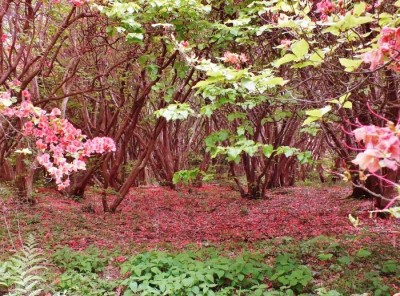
<point x="350" y="64"/>
<point x="316" y="114"/>
<point x="178" y="111"/>
<point x="300" y="48"/>
<point x="343" y="101"/>
<point x="345" y="23"/>
<point x="301" y="57"/>
<point x="185" y="176"/>
<point x="225" y="85"/>
<point x="268" y="150"/>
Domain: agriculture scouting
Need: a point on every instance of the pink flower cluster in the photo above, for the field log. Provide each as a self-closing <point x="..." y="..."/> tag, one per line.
<point x="234" y="59"/>
<point x="286" y="43"/>
<point x="382" y="147"/>
<point x="388" y="49"/>
<point x="5" y="100"/>
<point x="4" y="37"/>
<point x="326" y="7"/>
<point x="63" y="149"/>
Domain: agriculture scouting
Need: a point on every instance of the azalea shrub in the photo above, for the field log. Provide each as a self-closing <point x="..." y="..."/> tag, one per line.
<point x="60" y="148"/>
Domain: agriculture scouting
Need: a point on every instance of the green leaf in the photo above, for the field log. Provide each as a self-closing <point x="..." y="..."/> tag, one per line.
<point x="316" y="114"/>
<point x="188" y="281"/>
<point x="284" y="60"/>
<point x="348" y="105"/>
<point x="177" y="111"/>
<point x="220" y="273"/>
<point x="134" y="37"/>
<point x="394" y="211"/>
<point x="345" y="260"/>
<point x="349" y="64"/>
<point x="300" y="48"/>
<point x="133" y="286"/>
<point x="233" y="153"/>
<point x="325" y="257"/>
<point x="363" y="253"/>
<point x="344" y="98"/>
<point x="267" y="150"/>
<point x="319" y="112"/>
<point x="210" y="277"/>
<point x="249" y="84"/>
<point x="359" y="8"/>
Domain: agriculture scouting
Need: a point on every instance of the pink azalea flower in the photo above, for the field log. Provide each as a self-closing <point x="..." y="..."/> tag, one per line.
<point x="231" y="58"/>
<point x="40" y="145"/>
<point x="28" y="128"/>
<point x="184" y="44"/>
<point x="369" y="159"/>
<point x="388" y="163"/>
<point x="55" y="112"/>
<point x="16" y="83"/>
<point x="375" y="58"/>
<point x="63" y="184"/>
<point x="286" y="43"/>
<point x="388" y="47"/>
<point x="4" y="37"/>
<point x="26" y="94"/>
<point x="325" y="7"/>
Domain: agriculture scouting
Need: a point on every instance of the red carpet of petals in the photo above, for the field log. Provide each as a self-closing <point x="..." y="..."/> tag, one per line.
<point x="153" y="216"/>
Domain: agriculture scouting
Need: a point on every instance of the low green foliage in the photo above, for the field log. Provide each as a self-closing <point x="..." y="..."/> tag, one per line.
<point x="391" y="267"/>
<point x="90" y="261"/>
<point x="88" y="284"/>
<point x="158" y="273"/>
<point x="321" y="266"/>
<point x="82" y="273"/>
<point x="288" y="274"/>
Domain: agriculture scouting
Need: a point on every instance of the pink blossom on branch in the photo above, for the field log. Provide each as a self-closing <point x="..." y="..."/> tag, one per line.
<point x="388" y="50"/>
<point x="382" y="147"/>
<point x="234" y="59"/>
<point x="26" y="94"/>
<point x="368" y="160"/>
<point x="62" y="148"/>
<point x="325" y="7"/>
<point x="4" y="37"/>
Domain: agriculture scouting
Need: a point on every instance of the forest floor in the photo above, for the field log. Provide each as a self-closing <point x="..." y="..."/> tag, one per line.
<point x="158" y="217"/>
<point x="309" y="223"/>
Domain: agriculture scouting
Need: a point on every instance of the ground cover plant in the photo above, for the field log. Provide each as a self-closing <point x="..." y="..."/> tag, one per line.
<point x="228" y="147"/>
<point x="244" y="247"/>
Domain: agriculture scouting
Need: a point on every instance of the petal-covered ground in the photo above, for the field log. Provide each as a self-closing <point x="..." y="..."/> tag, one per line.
<point x="155" y="216"/>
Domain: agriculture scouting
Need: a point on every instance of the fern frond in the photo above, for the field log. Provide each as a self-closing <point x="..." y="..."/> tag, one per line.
<point x="20" y="273"/>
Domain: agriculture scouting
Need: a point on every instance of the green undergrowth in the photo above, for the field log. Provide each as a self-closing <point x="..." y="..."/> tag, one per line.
<point x="322" y="266"/>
